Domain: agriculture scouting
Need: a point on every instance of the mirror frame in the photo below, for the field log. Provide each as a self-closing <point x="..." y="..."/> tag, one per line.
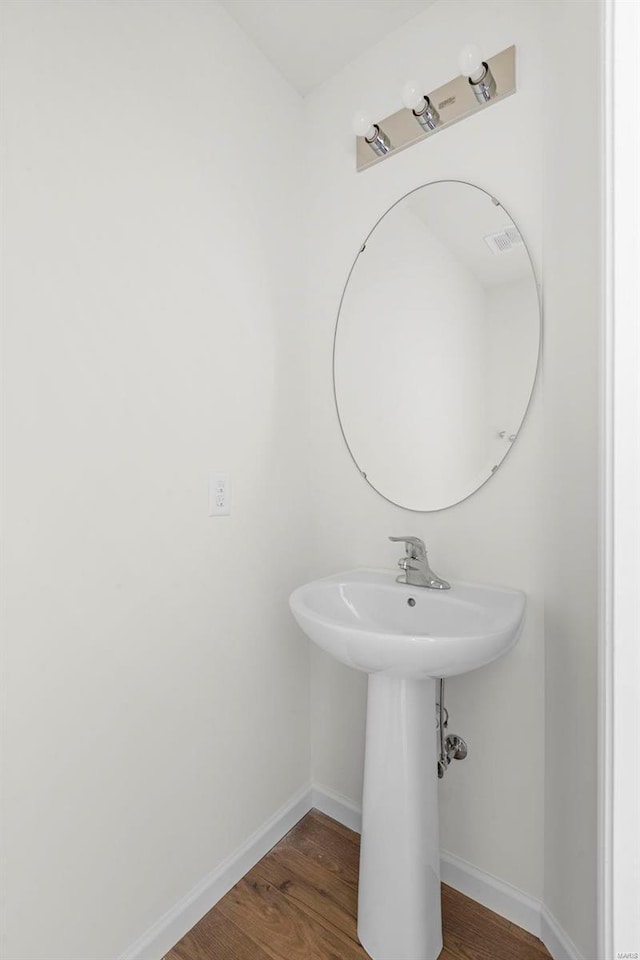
<point x="536" y="375"/>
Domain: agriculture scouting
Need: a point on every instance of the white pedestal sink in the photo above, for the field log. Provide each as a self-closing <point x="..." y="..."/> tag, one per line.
<point x="404" y="637"/>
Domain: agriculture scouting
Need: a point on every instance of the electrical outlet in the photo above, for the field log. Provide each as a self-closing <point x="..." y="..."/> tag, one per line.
<point x="219" y="494"/>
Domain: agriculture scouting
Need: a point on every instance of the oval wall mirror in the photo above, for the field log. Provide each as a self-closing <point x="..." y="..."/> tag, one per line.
<point x="436" y="345"/>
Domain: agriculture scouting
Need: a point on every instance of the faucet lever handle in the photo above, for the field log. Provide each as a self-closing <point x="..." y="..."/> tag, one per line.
<point x="414" y="547"/>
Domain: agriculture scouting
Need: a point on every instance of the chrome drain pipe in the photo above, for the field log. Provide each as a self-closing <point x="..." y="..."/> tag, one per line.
<point x="452" y="747"/>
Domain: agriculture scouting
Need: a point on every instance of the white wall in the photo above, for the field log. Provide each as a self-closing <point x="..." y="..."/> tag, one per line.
<point x="386" y="366"/>
<point x="620" y="545"/>
<point x="155" y="686"/>
<point x="493" y="805"/>
<point x="153" y="675"/>
<point x="512" y="348"/>
<point x="571" y="368"/>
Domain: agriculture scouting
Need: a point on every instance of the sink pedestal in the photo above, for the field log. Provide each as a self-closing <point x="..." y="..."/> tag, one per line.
<point x="402" y="636"/>
<point x="399" y="916"/>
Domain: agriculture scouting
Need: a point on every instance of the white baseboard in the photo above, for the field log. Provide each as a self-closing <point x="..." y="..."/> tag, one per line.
<point x="337" y="807"/>
<point x="165" y="933"/>
<point x="495" y="894"/>
<point x="557" y="942"/>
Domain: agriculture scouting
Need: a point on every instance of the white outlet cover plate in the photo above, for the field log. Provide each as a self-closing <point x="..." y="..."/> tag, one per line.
<point x="219" y="494"/>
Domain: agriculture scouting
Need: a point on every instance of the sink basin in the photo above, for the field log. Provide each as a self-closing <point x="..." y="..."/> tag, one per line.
<point x="404" y="638"/>
<point x="368" y="621"/>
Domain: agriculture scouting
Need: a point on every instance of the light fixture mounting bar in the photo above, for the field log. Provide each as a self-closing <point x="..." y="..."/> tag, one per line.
<point x="454" y="101"/>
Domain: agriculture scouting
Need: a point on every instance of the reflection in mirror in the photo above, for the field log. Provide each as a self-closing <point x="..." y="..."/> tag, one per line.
<point x="436" y="346"/>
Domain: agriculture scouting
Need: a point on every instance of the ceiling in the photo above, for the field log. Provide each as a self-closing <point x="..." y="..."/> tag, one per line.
<point x="310" y="40"/>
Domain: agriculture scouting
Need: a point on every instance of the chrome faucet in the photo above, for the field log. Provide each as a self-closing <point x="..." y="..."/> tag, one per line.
<point x="417" y="571"/>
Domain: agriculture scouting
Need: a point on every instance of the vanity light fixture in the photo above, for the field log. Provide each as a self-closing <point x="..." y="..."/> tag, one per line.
<point x="478" y="73"/>
<point x="364" y="127"/>
<point x="425" y="113"/>
<point x="420" y="105"/>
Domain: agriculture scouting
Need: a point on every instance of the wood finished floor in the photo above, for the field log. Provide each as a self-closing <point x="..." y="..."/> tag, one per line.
<point x="299" y="903"/>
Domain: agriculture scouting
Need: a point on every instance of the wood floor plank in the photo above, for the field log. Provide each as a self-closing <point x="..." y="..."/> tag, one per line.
<point x="472" y="932"/>
<point x="339" y="828"/>
<point x="312" y="886"/>
<point x="216" y="938"/>
<point x="280" y="927"/>
<point x="300" y="901"/>
<point x="320" y="843"/>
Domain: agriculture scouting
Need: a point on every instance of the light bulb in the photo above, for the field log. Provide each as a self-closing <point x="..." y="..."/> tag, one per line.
<point x="470" y="63"/>
<point x="362" y="125"/>
<point x="413" y="97"/>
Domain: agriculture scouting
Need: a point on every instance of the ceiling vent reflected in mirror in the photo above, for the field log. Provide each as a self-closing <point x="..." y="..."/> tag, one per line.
<point x="504" y="241"/>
